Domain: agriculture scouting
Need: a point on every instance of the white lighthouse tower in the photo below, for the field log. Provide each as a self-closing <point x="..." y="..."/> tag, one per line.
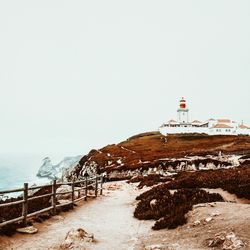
<point x="183" y="112"/>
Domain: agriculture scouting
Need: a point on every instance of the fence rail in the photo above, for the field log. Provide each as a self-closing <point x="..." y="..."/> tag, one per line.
<point x="95" y="182"/>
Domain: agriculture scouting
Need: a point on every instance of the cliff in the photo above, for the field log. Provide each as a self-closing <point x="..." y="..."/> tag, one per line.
<point x="58" y="171"/>
<point x="154" y="153"/>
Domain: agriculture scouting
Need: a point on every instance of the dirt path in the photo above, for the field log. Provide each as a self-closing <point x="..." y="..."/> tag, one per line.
<point x="109" y="218"/>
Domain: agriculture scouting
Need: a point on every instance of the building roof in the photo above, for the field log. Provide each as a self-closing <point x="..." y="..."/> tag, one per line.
<point x="243" y="126"/>
<point x="224" y="121"/>
<point x="196" y="121"/>
<point x="221" y="125"/>
<point x="172" y="121"/>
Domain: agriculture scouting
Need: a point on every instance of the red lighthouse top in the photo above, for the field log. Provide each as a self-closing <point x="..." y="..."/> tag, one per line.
<point x="183" y="104"/>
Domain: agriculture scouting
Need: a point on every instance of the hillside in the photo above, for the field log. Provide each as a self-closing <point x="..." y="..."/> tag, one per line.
<point x="154" y="152"/>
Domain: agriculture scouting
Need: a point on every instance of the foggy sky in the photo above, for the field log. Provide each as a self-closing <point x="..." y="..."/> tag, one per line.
<point x="77" y="75"/>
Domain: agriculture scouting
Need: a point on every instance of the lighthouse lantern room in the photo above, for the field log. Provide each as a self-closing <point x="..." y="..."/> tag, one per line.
<point x="183" y="112"/>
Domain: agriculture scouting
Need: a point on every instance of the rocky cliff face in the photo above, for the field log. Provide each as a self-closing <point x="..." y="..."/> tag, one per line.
<point x="59" y="170"/>
<point x="154" y="153"/>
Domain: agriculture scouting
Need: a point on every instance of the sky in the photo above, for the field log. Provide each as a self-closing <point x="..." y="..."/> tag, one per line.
<point x="77" y="75"/>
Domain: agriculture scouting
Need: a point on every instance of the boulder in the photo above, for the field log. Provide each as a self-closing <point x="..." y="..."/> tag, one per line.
<point x="27" y="230"/>
<point x="60" y="170"/>
<point x="77" y="239"/>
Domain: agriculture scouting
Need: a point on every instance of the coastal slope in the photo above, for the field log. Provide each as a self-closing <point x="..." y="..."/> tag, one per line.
<point x="152" y="150"/>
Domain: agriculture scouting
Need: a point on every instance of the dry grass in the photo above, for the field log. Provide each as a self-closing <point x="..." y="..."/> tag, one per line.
<point x="152" y="146"/>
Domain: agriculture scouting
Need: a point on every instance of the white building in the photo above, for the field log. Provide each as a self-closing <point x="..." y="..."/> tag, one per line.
<point x="211" y="126"/>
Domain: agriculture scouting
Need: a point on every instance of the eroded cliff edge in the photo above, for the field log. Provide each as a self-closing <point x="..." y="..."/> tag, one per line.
<point x="152" y="152"/>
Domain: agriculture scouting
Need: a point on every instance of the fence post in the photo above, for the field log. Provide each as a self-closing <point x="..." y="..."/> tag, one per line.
<point x="101" y="184"/>
<point x="73" y="193"/>
<point x="86" y="188"/>
<point x="25" y="204"/>
<point x="54" y="196"/>
<point x="96" y="185"/>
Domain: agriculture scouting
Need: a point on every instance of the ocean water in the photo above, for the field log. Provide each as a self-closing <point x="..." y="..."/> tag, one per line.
<point x="15" y="170"/>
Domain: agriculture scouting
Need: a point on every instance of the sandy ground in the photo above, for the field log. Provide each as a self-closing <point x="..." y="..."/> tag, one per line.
<point x="110" y="219"/>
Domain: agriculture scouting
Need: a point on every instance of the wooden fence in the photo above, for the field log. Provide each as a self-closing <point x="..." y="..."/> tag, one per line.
<point x="81" y="187"/>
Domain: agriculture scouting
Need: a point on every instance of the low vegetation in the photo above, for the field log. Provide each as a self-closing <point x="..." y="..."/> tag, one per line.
<point x="170" y="209"/>
<point x="233" y="180"/>
<point x="149" y="180"/>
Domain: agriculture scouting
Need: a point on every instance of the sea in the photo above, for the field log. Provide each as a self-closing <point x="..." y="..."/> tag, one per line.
<point x="16" y="169"/>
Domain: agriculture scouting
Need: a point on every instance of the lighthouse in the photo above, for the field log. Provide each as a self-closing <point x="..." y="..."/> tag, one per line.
<point x="210" y="127"/>
<point x="182" y="112"/>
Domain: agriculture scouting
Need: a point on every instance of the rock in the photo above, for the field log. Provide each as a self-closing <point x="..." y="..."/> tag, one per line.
<point x="112" y="187"/>
<point x="58" y="217"/>
<point x="27" y="230"/>
<point x="200" y="205"/>
<point x="63" y="189"/>
<point x="228" y="241"/>
<point x="208" y="219"/>
<point x="77" y="239"/>
<point x="63" y="201"/>
<point x="46" y="169"/>
<point x="155" y="247"/>
<point x="57" y="171"/>
<point x="196" y="223"/>
<point x="153" y="204"/>
<point x="232" y="242"/>
<point x="66" y="188"/>
<point x="212" y="204"/>
<point x="215" y="214"/>
<point x="217" y="241"/>
<point x="165" y="246"/>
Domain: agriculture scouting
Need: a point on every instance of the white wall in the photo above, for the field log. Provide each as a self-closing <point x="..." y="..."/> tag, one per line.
<point x="183" y="130"/>
<point x="222" y="131"/>
<point x="244" y="131"/>
<point x="210" y="131"/>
